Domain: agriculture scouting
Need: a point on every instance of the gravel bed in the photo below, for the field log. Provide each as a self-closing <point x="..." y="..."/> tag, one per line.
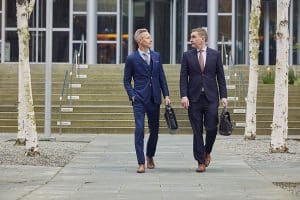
<point x="52" y="154"/>
<point x="257" y="152"/>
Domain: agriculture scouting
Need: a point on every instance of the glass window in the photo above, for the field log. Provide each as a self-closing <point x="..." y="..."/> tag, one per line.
<point x="60" y="48"/>
<point x="225" y="6"/>
<point x="224" y="28"/>
<point x="42" y="14"/>
<point x="162" y="30"/>
<point x="11" y="13"/>
<point x="79" y="5"/>
<point x="106" y="53"/>
<point x="179" y="33"/>
<point x="79" y="26"/>
<point x="196" y="21"/>
<point x="272" y="30"/>
<point x="11" y="48"/>
<point x="296" y="34"/>
<point x="0" y="26"/>
<point x="197" y="6"/>
<point x="107" y="27"/>
<point x="240" y="33"/>
<point x="32" y="46"/>
<point x="107" y="5"/>
<point x="124" y="32"/>
<point x="141" y="13"/>
<point x="61" y="14"/>
<point x="41" y="46"/>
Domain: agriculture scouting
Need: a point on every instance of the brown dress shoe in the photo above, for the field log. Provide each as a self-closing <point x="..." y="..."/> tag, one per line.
<point x="150" y="163"/>
<point x="201" y="168"/>
<point x="207" y="159"/>
<point x="141" y="169"/>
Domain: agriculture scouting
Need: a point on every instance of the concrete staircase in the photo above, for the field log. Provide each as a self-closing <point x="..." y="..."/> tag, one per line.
<point x="101" y="105"/>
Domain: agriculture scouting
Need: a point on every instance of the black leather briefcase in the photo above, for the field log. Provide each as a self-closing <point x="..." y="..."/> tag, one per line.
<point x="171" y="119"/>
<point x="225" y="126"/>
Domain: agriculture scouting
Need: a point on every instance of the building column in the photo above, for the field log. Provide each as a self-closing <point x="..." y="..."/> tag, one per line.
<point x="173" y="29"/>
<point x="266" y="32"/>
<point x="48" y="70"/>
<point x="291" y="21"/>
<point x="233" y="31"/>
<point x="212" y="23"/>
<point x="130" y="27"/>
<point x="91" y="21"/>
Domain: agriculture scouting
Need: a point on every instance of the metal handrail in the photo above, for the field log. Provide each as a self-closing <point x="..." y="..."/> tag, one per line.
<point x="77" y="55"/>
<point x="68" y="80"/>
<point x="61" y="100"/>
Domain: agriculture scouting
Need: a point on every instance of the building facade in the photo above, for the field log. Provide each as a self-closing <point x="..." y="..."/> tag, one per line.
<point x="106" y="28"/>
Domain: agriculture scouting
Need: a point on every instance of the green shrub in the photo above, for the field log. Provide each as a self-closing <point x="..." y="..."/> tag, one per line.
<point x="292" y="76"/>
<point x="268" y="76"/>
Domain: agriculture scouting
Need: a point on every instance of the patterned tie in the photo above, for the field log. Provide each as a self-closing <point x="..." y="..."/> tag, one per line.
<point x="146" y="57"/>
<point x="201" y="60"/>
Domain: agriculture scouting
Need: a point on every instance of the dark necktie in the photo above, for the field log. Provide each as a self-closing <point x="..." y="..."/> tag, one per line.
<point x="201" y="60"/>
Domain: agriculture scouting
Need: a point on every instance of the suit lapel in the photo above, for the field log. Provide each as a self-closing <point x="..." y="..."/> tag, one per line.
<point x="195" y="59"/>
<point x="142" y="61"/>
<point x="207" y="57"/>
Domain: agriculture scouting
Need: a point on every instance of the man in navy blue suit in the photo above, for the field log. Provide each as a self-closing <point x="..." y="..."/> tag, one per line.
<point x="145" y="68"/>
<point x="202" y="83"/>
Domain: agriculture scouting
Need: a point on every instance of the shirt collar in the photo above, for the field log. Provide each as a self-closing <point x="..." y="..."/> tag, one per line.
<point x="203" y="49"/>
<point x="142" y="52"/>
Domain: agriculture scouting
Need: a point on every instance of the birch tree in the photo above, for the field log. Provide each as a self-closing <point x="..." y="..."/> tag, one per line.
<point x="26" y="118"/>
<point x="280" y="113"/>
<point x="250" y="129"/>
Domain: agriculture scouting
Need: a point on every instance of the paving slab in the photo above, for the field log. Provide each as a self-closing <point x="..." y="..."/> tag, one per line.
<point x="106" y="169"/>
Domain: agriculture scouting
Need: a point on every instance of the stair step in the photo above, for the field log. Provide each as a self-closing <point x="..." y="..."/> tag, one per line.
<point x="103" y="106"/>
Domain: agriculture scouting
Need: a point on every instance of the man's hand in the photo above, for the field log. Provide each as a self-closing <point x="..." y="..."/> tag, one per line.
<point x="167" y="100"/>
<point x="224" y="102"/>
<point x="185" y="102"/>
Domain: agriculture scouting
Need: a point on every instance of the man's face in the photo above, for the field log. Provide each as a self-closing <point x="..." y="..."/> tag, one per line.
<point x="197" y="40"/>
<point x="146" y="40"/>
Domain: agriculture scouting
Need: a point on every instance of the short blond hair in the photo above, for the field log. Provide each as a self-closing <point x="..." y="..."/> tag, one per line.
<point x="138" y="34"/>
<point x="201" y="31"/>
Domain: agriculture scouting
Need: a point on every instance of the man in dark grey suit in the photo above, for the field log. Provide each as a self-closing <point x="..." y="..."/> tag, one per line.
<point x="146" y="70"/>
<point x="202" y="83"/>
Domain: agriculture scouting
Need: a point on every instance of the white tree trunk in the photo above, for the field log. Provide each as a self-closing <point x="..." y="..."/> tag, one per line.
<point x="26" y="116"/>
<point x="280" y="114"/>
<point x="250" y="129"/>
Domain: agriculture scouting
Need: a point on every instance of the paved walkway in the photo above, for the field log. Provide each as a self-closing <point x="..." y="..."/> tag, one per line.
<point x="106" y="170"/>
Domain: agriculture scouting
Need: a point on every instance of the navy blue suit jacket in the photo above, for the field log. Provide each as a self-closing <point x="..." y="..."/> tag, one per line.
<point x="212" y="79"/>
<point x="147" y="80"/>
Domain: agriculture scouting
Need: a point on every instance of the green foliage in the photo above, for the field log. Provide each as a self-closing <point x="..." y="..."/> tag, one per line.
<point x="268" y="76"/>
<point x="297" y="46"/>
<point x="292" y="76"/>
